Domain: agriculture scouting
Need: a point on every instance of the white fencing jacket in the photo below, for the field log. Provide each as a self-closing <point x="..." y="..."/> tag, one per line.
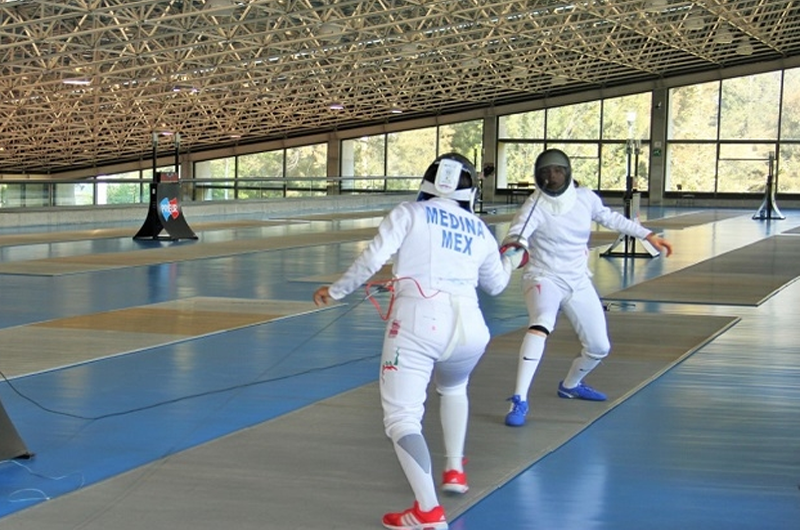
<point x="437" y="243"/>
<point x="558" y="244"/>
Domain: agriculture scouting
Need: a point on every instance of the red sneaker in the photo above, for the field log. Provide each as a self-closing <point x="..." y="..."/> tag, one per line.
<point x="416" y="519"/>
<point x="454" y="481"/>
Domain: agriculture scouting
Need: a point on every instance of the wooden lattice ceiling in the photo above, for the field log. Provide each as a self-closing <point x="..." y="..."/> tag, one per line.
<point x="224" y="71"/>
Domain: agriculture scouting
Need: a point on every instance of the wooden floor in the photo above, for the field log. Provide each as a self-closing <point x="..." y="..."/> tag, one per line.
<point x="193" y="385"/>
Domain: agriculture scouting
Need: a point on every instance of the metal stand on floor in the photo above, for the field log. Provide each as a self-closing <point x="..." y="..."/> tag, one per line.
<point x="164" y="213"/>
<point x="768" y="209"/>
<point x="11" y="444"/>
<point x="632" y="199"/>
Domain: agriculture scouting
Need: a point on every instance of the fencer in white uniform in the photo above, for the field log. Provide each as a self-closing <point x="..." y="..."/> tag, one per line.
<point x="554" y="225"/>
<point x="441" y="253"/>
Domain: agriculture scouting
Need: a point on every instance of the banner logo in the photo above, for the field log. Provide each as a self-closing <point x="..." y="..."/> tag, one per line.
<point x="169" y="208"/>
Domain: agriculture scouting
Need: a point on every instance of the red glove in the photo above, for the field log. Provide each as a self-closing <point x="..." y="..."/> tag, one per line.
<point x="516" y="253"/>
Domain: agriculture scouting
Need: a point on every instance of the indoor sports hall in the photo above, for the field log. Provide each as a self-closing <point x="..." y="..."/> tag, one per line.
<point x="178" y="177"/>
<point x="194" y="384"/>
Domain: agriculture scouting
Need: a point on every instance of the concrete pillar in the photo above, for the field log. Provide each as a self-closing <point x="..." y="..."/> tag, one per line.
<point x="489" y="155"/>
<point x="658" y="145"/>
<point x="333" y="170"/>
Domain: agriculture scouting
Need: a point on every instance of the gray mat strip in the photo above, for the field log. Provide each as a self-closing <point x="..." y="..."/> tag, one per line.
<point x="198" y="250"/>
<point x="692" y="219"/>
<point x="330" y="466"/>
<point x="747" y="276"/>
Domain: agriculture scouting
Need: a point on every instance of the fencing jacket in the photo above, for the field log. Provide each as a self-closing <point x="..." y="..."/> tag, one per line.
<point x="436" y="242"/>
<point x="558" y="244"/>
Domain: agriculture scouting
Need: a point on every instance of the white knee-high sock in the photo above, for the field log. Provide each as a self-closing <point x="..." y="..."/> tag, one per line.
<point x="454" y="414"/>
<point x="530" y="354"/>
<point x="580" y="368"/>
<point x="415" y="459"/>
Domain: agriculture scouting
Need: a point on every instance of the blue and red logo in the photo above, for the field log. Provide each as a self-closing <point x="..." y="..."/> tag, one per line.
<point x="169" y="208"/>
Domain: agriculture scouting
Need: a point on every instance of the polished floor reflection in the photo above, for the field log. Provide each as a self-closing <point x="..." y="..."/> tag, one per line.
<point x="143" y="414"/>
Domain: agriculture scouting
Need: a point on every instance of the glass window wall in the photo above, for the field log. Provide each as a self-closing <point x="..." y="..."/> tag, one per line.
<point x="306" y="170"/>
<point x="605" y="140"/>
<point x="465" y="138"/>
<point x="260" y="176"/>
<point x="720" y="139"/>
<point x="408" y="155"/>
<point x="395" y="162"/>
<point x="113" y="189"/>
<point x="363" y="158"/>
<point x="721" y="135"/>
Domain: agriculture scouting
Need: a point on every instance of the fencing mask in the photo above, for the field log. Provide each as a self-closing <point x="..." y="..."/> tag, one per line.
<point x="553" y="175"/>
<point x="451" y="176"/>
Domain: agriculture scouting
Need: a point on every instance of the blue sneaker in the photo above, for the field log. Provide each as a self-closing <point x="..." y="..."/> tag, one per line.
<point x="519" y="409"/>
<point x="582" y="391"/>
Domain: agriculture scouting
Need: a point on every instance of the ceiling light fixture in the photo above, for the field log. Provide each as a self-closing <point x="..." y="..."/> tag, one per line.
<point x="220" y="4"/>
<point x="518" y="72"/>
<point x="744" y="47"/>
<point x="654" y="6"/>
<point x="336" y="106"/>
<point x="409" y="49"/>
<point x="330" y="29"/>
<point x="78" y="81"/>
<point x="471" y="63"/>
<point x="396" y="110"/>
<point x="723" y="36"/>
<point x="185" y="88"/>
<point x="694" y="22"/>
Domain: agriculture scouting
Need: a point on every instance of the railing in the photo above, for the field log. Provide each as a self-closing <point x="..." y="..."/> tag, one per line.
<point x="35" y="193"/>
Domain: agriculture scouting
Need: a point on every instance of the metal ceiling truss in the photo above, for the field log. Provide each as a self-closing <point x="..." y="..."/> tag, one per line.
<point x="224" y="71"/>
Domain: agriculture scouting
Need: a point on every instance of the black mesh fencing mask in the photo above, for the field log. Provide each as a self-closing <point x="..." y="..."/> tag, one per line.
<point x="553" y="172"/>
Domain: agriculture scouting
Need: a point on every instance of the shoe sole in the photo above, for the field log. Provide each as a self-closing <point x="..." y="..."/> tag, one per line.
<point x="455" y="488"/>
<point x="515" y="423"/>
<point x="570" y="396"/>
<point x="421" y="526"/>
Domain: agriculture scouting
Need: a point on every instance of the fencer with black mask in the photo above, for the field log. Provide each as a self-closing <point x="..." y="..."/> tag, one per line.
<point x="554" y="225"/>
<point x="441" y="252"/>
